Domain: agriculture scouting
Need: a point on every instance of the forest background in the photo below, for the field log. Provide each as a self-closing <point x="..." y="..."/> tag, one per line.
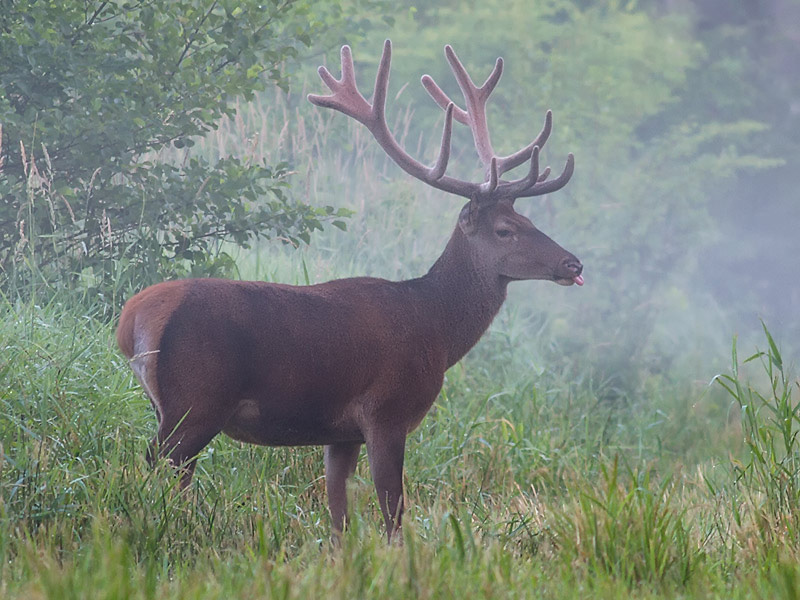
<point x="149" y="140"/>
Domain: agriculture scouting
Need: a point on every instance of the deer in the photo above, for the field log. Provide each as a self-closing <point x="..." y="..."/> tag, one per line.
<point x="350" y="362"/>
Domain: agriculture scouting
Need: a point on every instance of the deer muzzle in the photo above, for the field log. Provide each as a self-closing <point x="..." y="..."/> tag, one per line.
<point x="569" y="272"/>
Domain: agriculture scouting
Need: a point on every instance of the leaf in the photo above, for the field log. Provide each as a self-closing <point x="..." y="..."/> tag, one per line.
<point x="774" y="354"/>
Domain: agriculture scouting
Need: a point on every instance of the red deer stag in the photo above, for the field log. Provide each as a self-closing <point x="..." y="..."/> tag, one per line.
<point x="351" y="361"/>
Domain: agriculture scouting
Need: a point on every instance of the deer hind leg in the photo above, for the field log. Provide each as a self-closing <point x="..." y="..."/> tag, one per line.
<point x="385" y="450"/>
<point x="340" y="464"/>
<point x="182" y="435"/>
<point x="188" y="399"/>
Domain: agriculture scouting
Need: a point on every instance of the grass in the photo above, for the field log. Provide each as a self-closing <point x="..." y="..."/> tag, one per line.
<point x="516" y="489"/>
<point x="531" y="478"/>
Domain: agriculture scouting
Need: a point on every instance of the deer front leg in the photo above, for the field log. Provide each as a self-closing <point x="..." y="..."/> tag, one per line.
<point x="340" y="464"/>
<point x="385" y="450"/>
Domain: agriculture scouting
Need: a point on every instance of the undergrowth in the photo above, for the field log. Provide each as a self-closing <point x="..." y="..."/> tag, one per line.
<point x="534" y="476"/>
<point x="538" y="490"/>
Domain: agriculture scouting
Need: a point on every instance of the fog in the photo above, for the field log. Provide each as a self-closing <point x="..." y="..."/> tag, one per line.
<point x="684" y="121"/>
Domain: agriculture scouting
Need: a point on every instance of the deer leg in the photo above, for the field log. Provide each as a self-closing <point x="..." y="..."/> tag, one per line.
<point x="385" y="450"/>
<point x="181" y="439"/>
<point x="340" y="464"/>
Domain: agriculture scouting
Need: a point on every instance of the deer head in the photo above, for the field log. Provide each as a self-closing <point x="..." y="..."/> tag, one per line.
<point x="499" y="240"/>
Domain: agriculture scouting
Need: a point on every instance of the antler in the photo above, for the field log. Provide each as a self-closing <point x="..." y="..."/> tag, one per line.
<point x="347" y="99"/>
<point x="533" y="184"/>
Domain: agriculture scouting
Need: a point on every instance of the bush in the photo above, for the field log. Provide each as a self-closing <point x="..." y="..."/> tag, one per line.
<point x="88" y="100"/>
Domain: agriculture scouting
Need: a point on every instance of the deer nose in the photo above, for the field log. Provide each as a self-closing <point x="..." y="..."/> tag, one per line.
<point x="573" y="265"/>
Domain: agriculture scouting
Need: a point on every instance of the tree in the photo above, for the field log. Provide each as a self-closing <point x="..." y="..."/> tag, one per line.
<point x="91" y="92"/>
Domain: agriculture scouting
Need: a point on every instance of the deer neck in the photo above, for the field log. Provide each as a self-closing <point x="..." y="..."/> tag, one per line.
<point x="465" y="296"/>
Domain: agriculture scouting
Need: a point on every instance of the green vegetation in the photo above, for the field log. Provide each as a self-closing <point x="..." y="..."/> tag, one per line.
<point x="526" y="489"/>
<point x="92" y="92"/>
<point x="596" y="443"/>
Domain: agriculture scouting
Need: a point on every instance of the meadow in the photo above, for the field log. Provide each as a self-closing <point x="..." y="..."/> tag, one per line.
<point x="529" y="478"/>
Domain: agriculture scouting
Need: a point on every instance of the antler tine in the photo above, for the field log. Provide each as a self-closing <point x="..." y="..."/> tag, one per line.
<point x="438" y="169"/>
<point x="523" y="188"/>
<point x="545" y="174"/>
<point x="520" y="156"/>
<point x="491" y="81"/>
<point x="533" y="173"/>
<point x="348" y="70"/>
<point x="475" y="98"/>
<point x="490" y="186"/>
<point x="382" y="83"/>
<point x="443" y="99"/>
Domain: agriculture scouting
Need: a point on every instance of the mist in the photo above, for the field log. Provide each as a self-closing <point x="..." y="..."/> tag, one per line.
<point x="683" y="120"/>
<point x="597" y="437"/>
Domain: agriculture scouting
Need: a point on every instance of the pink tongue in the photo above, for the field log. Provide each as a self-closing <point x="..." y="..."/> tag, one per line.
<point x="578" y="279"/>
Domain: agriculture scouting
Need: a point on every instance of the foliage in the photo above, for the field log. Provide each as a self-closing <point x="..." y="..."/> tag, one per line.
<point x="770" y="472"/>
<point x="633" y="531"/>
<point x="510" y="494"/>
<point x="90" y="92"/>
<point x="748" y="71"/>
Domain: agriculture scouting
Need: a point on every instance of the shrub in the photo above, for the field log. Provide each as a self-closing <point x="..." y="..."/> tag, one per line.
<point x="88" y="99"/>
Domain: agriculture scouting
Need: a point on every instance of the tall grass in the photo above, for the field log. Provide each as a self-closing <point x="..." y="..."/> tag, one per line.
<point x="528" y="489"/>
<point x="769" y="473"/>
<point x="631" y="528"/>
<point x="525" y="481"/>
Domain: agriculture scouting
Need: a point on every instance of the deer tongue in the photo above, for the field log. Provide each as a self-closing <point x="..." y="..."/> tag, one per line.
<point x="578" y="279"/>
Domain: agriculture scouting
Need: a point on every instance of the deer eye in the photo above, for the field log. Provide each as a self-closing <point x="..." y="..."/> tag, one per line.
<point x="504" y="233"/>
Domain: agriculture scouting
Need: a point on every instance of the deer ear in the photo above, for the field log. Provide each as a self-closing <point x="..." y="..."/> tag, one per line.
<point x="468" y="218"/>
